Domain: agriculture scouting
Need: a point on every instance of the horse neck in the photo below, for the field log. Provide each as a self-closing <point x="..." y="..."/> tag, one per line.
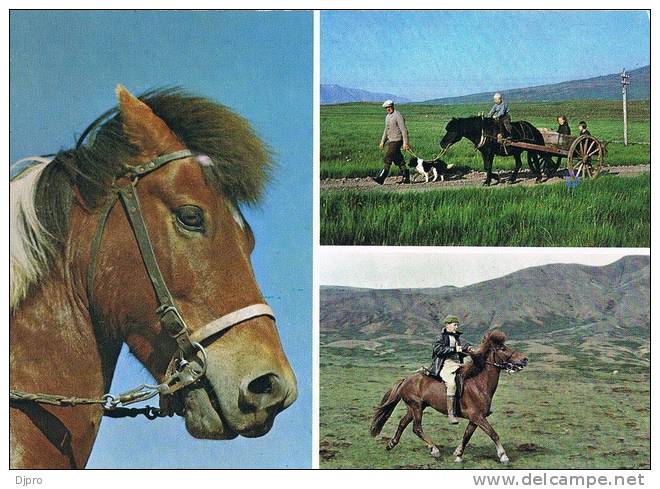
<point x="488" y="377"/>
<point x="56" y="350"/>
<point x="473" y="133"/>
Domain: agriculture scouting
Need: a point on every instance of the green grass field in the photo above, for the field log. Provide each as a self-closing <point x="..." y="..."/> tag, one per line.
<point x="567" y="410"/>
<point x="607" y="212"/>
<point x="350" y="133"/>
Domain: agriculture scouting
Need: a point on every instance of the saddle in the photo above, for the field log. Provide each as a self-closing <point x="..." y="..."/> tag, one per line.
<point x="459" y="386"/>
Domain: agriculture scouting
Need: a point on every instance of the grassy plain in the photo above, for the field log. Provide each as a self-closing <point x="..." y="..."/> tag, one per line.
<point x="569" y="409"/>
<point x="610" y="211"/>
<point x="350" y="133"/>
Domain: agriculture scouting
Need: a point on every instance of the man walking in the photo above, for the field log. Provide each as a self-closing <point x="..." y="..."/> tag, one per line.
<point x="448" y="354"/>
<point x="396" y="137"/>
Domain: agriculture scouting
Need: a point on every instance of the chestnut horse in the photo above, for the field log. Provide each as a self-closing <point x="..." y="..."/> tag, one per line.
<point x="73" y="305"/>
<point x="480" y="376"/>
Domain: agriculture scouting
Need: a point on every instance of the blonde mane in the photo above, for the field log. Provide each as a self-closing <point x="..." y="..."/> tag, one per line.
<point x="29" y="241"/>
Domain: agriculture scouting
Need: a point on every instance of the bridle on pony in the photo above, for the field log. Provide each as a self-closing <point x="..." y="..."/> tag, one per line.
<point x="189" y="363"/>
<point x="507" y="366"/>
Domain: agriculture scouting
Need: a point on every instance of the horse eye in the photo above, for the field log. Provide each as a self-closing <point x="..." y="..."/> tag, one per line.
<point x="190" y="217"/>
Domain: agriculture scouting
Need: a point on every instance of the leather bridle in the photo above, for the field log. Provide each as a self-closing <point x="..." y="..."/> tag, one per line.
<point x="505" y="365"/>
<point x="189" y="363"/>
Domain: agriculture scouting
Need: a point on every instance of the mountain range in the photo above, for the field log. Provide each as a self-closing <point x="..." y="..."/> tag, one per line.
<point x="611" y="301"/>
<point x="606" y="87"/>
<point x="335" y="94"/>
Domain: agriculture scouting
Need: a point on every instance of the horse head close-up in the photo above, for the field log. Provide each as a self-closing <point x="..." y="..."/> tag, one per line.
<point x="136" y="236"/>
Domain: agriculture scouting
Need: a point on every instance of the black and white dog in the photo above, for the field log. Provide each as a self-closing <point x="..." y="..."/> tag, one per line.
<point x="426" y="168"/>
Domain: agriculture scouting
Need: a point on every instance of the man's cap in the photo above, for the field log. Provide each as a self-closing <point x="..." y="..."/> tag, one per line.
<point x="451" y="319"/>
<point x="388" y="103"/>
<point x="497" y="95"/>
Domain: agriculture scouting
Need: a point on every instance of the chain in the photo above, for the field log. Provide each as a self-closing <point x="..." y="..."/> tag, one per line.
<point x="113" y="405"/>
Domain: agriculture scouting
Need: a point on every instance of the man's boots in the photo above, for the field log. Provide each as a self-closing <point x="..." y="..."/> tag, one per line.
<point x="450" y="410"/>
<point x="380" y="179"/>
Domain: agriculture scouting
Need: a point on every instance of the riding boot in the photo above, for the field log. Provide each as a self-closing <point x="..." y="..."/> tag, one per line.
<point x="380" y="179"/>
<point x="450" y="410"/>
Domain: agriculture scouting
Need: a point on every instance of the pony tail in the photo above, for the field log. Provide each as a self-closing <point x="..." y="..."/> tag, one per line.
<point x="386" y="408"/>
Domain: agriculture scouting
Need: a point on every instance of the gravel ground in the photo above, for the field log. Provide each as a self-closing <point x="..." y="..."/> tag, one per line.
<point x="471" y="179"/>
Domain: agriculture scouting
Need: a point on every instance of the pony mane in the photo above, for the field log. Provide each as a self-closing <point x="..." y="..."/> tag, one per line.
<point x="462" y="121"/>
<point x="490" y="340"/>
<point x="41" y="197"/>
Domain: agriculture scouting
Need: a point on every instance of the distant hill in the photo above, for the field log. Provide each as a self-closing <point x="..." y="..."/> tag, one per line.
<point x="335" y="94"/>
<point x="606" y="87"/>
<point x="560" y="300"/>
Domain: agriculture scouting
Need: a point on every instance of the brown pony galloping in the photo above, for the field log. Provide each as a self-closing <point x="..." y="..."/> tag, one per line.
<point x="481" y="377"/>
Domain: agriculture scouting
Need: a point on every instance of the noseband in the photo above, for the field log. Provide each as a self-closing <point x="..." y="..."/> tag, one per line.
<point x="189" y="363"/>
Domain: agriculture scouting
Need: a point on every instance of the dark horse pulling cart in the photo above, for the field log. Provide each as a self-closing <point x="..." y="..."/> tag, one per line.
<point x="585" y="154"/>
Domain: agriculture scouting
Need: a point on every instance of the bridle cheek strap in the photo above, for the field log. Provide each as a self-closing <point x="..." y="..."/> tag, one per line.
<point x="232" y="319"/>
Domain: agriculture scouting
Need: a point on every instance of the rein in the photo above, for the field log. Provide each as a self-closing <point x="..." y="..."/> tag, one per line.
<point x="189" y="363"/>
<point x="439" y="155"/>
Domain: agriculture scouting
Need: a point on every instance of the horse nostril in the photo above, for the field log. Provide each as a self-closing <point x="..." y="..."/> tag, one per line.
<point x="525" y="360"/>
<point x="262" y="392"/>
<point x="263" y="384"/>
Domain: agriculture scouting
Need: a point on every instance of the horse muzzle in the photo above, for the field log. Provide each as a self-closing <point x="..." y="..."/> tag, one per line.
<point x="248" y="382"/>
<point x="517" y="366"/>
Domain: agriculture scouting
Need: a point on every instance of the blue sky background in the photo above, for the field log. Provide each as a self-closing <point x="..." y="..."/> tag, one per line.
<point x="64" y="69"/>
<point x="422" y="55"/>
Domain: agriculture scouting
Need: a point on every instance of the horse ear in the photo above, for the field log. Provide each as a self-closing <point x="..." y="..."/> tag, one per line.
<point x="144" y="129"/>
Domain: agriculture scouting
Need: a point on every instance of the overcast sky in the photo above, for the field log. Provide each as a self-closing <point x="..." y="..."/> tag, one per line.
<point x="428" y="54"/>
<point x="391" y="268"/>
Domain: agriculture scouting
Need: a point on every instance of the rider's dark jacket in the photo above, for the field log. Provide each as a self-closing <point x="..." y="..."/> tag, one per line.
<point x="442" y="350"/>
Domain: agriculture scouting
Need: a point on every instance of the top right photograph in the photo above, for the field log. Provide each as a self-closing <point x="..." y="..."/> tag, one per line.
<point x="486" y="128"/>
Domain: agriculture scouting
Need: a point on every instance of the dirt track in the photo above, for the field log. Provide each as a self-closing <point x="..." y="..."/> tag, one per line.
<point x="471" y="179"/>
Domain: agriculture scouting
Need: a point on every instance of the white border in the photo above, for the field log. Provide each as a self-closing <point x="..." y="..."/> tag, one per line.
<point x="316" y="232"/>
<point x="276" y="479"/>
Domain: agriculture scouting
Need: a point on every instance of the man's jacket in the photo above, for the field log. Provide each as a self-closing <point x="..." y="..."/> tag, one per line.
<point x="442" y="349"/>
<point x="498" y="110"/>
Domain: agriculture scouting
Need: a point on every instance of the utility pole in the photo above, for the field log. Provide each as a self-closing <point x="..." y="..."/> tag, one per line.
<point x="625" y="81"/>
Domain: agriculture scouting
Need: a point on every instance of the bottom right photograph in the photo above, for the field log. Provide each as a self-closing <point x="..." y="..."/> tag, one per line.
<point x="484" y="358"/>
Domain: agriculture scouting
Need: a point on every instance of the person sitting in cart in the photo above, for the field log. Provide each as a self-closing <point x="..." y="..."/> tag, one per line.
<point x="500" y="112"/>
<point x="582" y="126"/>
<point x="563" y="128"/>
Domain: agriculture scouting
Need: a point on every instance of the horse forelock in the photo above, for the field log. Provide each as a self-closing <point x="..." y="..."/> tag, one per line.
<point x="494" y="338"/>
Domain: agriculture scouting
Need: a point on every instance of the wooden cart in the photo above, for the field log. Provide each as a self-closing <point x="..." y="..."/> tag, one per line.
<point x="585" y="155"/>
